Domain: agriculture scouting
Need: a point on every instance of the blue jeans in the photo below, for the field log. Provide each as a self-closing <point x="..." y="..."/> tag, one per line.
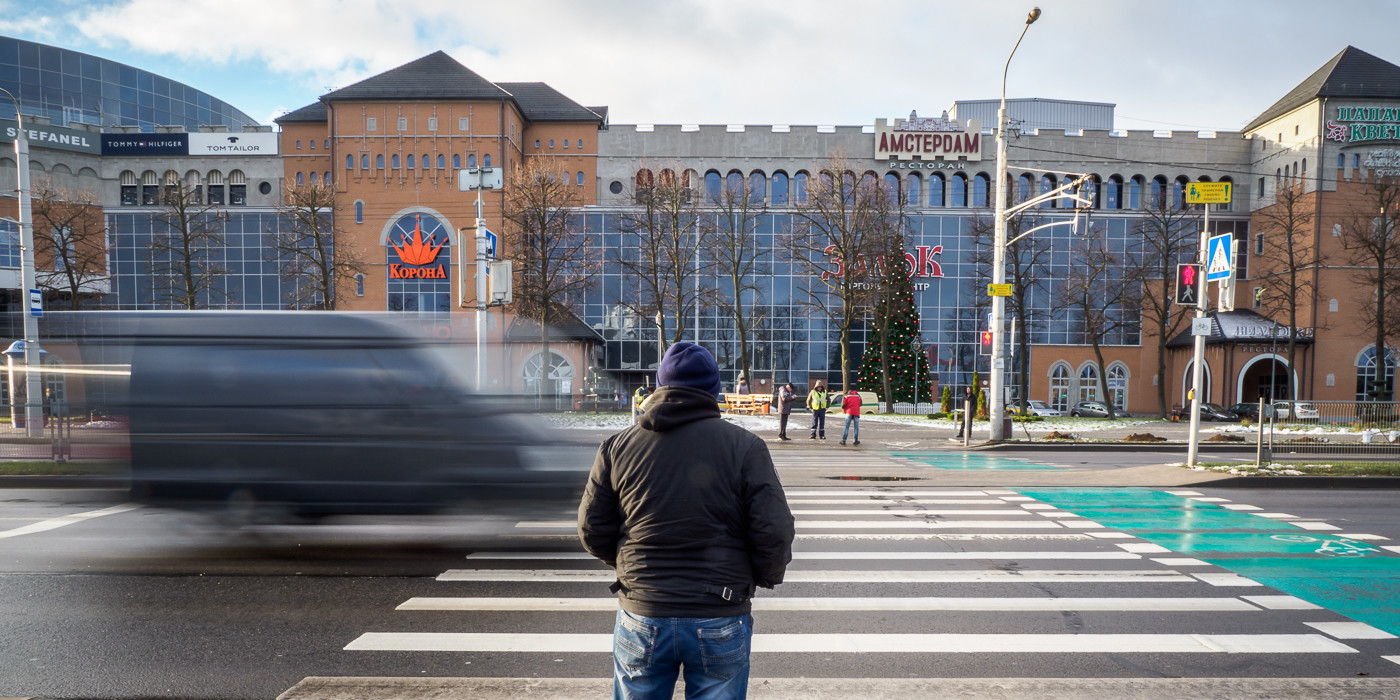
<point x="649" y="652"/>
<point x="850" y="421"/>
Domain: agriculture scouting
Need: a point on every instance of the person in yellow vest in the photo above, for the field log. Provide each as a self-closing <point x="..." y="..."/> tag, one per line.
<point x="639" y="397"/>
<point x="817" y="402"/>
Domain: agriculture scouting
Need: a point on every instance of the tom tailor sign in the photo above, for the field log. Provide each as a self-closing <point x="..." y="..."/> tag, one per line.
<point x="919" y="138"/>
<point x="241" y="144"/>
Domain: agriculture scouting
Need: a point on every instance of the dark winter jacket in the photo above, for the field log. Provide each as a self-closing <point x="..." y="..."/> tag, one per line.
<point x="688" y="509"/>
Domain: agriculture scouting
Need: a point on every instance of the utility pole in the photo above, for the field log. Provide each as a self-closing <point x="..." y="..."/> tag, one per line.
<point x="33" y="373"/>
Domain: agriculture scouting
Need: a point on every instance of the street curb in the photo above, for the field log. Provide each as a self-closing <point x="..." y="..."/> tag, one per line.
<point x="1307" y="482"/>
<point x="1115" y="446"/>
<point x="75" y="481"/>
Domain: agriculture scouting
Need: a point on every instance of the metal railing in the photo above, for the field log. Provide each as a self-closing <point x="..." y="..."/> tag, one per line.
<point x="1353" y="428"/>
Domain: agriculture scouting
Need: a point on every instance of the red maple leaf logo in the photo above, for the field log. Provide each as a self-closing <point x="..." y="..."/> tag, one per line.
<point x="416" y="251"/>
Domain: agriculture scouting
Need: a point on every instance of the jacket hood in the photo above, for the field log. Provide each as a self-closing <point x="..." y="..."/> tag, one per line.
<point x="673" y="406"/>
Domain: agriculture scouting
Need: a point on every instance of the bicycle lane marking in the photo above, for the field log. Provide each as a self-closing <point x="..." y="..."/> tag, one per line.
<point x="1347" y="576"/>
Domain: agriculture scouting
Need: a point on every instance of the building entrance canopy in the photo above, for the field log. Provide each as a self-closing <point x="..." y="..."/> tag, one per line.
<point x="1242" y="327"/>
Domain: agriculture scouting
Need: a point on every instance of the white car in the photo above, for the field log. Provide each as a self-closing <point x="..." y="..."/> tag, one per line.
<point x="1040" y="408"/>
<point x="1289" y="410"/>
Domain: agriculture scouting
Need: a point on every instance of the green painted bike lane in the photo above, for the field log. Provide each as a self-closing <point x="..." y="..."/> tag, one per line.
<point x="956" y="460"/>
<point x="1350" y="577"/>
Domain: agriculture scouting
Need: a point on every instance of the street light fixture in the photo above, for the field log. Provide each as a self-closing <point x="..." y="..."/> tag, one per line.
<point x="33" y="380"/>
<point x="998" y="398"/>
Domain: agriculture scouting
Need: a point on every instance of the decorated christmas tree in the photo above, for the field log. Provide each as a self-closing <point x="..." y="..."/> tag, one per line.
<point x="894" y="356"/>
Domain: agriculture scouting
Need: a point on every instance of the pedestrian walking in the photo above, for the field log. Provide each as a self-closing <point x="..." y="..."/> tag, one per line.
<point x="850" y="405"/>
<point x="689" y="512"/>
<point x="743" y="386"/>
<point x="786" y="395"/>
<point x="816" y="401"/>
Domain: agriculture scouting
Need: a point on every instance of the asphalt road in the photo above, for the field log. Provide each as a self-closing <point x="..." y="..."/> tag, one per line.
<point x="900" y="585"/>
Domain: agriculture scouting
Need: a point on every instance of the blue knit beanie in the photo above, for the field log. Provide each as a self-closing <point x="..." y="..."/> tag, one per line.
<point x="688" y="364"/>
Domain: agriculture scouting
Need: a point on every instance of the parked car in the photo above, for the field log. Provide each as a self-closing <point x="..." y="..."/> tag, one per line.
<point x="1216" y="412"/>
<point x="1042" y="409"/>
<point x="1246" y="410"/>
<point x="1295" y="410"/>
<point x="1090" y="409"/>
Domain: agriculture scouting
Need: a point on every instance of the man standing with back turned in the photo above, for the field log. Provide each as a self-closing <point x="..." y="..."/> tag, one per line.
<point x="689" y="512"/>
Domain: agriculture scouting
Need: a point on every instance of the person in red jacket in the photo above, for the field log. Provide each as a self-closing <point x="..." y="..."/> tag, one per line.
<point x="850" y="405"/>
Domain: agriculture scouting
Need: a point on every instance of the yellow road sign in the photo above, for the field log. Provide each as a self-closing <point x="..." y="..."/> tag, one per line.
<point x="998" y="290"/>
<point x="1208" y="192"/>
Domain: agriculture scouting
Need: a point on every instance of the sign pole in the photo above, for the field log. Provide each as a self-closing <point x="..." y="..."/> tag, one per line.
<point x="1197" y="371"/>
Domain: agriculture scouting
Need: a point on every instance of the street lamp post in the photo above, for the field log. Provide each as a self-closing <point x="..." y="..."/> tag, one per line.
<point x="998" y="398"/>
<point x="33" y="379"/>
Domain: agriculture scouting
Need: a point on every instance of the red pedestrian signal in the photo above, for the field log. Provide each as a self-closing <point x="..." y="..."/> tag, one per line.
<point x="1188" y="280"/>
<point x="986" y="342"/>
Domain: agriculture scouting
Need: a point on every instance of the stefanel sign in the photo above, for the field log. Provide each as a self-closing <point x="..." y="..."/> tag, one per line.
<point x="918" y="138"/>
<point x="418" y="257"/>
<point x="54" y="137"/>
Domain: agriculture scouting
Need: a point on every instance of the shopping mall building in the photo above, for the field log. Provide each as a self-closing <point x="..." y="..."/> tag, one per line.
<point x="392" y="147"/>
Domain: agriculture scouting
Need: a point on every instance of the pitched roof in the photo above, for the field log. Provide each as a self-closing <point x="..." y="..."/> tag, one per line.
<point x="314" y="112"/>
<point x="540" y="102"/>
<point x="522" y="330"/>
<point x="1351" y="73"/>
<point x="436" y="76"/>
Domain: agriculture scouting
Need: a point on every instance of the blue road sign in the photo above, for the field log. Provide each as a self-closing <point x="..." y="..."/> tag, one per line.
<point x="1220" y="260"/>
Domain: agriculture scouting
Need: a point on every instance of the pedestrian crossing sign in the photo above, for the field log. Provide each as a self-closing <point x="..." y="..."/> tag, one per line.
<point x="1219" y="257"/>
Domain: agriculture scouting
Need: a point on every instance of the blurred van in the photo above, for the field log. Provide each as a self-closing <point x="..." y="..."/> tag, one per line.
<point x="321" y="414"/>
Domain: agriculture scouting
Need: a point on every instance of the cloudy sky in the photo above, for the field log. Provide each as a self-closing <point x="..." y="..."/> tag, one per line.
<point x="1186" y="64"/>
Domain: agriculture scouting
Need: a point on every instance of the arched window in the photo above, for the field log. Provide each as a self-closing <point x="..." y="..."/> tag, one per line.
<point x="150" y="189"/>
<point x="892" y="188"/>
<point x="1227" y="205"/>
<point x="645" y="179"/>
<point x="456" y="161"/>
<point x="359" y="212"/>
<point x="215" y="193"/>
<point x="326" y="178"/>
<point x="935" y="190"/>
<point x="349" y="162"/>
<point x="1047" y="185"/>
<point x="580" y="178"/>
<point x="758" y="187"/>
<point x="1188" y="378"/>
<point x="1179" y="192"/>
<point x="360" y="284"/>
<point x="980" y="185"/>
<point x="394" y="161"/>
<point x="486" y="161"/>
<point x="298" y="144"/>
<point x="553" y="380"/>
<point x="1023" y="187"/>
<point x="1158" y="196"/>
<point x="379" y="162"/>
<point x="779" y="198"/>
<point x="914" y="185"/>
<point x="957" y="190"/>
<point x="1135" y="187"/>
<point x="237" y="188"/>
<point x="313" y="179"/>
<point x="734" y="186"/>
<point x="1113" y="192"/>
<point x="1366" y="387"/>
<point x="131" y="195"/>
<point x="410" y="161"/>
<point x="300" y="181"/>
<point x="799" y="187"/>
<point x="1088" y="382"/>
<point x="471" y="160"/>
<point x="1118" y="387"/>
<point x="1059" y="387"/>
<point x="364" y="162"/>
<point x="442" y="161"/>
<point x="427" y="163"/>
<point x="713" y="185"/>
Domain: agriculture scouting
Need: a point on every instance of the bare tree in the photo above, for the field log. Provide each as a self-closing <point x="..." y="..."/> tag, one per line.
<point x="664" y="265"/>
<point x="553" y="259"/>
<point x="734" y="247"/>
<point x="1098" y="296"/>
<point x="187" y="249"/>
<point x="1166" y="234"/>
<point x="311" y="251"/>
<point x="69" y="225"/>
<point x="840" y="220"/>
<point x="1371" y="235"/>
<point x="1288" y="258"/>
<point x="1025" y="260"/>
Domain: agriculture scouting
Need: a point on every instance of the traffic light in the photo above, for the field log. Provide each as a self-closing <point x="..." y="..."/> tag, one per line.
<point x="986" y="342"/>
<point x="1188" y="283"/>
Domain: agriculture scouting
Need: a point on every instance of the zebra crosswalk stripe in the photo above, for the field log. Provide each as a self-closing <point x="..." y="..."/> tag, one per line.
<point x="914" y="604"/>
<point x="854" y="576"/>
